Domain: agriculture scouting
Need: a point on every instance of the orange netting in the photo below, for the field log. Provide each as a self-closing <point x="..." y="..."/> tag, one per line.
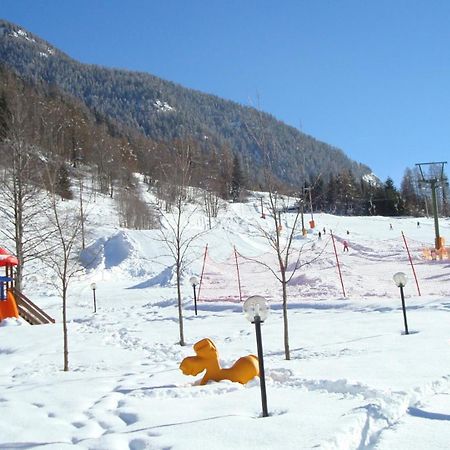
<point x="239" y="276"/>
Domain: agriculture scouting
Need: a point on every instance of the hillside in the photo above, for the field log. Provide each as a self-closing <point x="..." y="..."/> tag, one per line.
<point x="355" y="381"/>
<point x="164" y="110"/>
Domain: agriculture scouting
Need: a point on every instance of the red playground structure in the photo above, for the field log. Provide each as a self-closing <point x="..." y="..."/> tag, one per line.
<point x="13" y="303"/>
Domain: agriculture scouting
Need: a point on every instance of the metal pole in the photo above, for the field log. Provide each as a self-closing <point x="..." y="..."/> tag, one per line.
<point x="203" y="270"/>
<point x="435" y="214"/>
<point x="404" y="309"/>
<point x="195" y="299"/>
<point x="303" y="220"/>
<point x="262" y="378"/>
<point x="337" y="262"/>
<point x="412" y="265"/>
<point x="238" y="274"/>
<point x="95" y="302"/>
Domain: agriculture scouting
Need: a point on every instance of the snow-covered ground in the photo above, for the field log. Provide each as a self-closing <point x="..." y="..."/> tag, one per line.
<point x="355" y="380"/>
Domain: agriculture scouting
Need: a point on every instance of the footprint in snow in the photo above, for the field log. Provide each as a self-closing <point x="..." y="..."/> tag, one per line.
<point x="128" y="418"/>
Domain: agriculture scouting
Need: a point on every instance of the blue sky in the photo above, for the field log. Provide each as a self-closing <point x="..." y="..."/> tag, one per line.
<point x="371" y="77"/>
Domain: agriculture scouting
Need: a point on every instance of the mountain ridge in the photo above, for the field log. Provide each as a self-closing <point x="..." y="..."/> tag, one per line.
<point x="165" y="110"/>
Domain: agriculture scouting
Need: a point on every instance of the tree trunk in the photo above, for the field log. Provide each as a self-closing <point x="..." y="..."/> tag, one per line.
<point x="180" y="310"/>
<point x="18" y="219"/>
<point x="287" y="353"/>
<point x="66" y="344"/>
<point x="83" y="242"/>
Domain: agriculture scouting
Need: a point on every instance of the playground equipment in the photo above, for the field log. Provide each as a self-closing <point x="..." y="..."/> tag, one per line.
<point x="8" y="306"/>
<point x="12" y="302"/>
<point x="207" y="357"/>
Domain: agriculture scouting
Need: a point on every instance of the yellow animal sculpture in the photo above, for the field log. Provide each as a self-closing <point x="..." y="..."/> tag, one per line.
<point x="242" y="371"/>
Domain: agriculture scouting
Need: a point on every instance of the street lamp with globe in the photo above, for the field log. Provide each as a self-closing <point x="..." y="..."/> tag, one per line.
<point x="256" y="310"/>
<point x="194" y="282"/>
<point x="94" y="287"/>
<point x="400" y="280"/>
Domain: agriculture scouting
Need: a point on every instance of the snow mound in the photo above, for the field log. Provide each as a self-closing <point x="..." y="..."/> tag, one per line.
<point x="166" y="278"/>
<point x="107" y="252"/>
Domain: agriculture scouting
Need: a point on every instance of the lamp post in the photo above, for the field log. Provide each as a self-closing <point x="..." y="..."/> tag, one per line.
<point x="194" y="282"/>
<point x="94" y="287"/>
<point x="256" y="311"/>
<point x="400" y="280"/>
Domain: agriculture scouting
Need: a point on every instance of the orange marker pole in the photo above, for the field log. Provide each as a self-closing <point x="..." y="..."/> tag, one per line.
<point x="412" y="265"/>
<point x="201" y="276"/>
<point x="337" y="261"/>
<point x="238" y="275"/>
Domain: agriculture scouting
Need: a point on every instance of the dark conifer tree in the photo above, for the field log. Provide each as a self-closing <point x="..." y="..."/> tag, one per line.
<point x="392" y="204"/>
<point x="408" y="193"/>
<point x="63" y="182"/>
<point x="237" y="179"/>
<point x="331" y="194"/>
<point x="4" y="113"/>
<point x="318" y="194"/>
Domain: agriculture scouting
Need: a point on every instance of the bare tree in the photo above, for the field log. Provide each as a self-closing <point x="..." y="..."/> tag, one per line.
<point x="278" y="236"/>
<point x="65" y="224"/>
<point x="20" y="202"/>
<point x="281" y="237"/>
<point x="175" y="222"/>
<point x="134" y="212"/>
<point x="211" y="205"/>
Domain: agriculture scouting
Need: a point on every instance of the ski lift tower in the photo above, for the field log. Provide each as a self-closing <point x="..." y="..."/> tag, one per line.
<point x="308" y="189"/>
<point x="434" y="178"/>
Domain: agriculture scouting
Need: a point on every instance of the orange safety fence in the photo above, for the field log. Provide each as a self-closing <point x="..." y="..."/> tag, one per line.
<point x="239" y="276"/>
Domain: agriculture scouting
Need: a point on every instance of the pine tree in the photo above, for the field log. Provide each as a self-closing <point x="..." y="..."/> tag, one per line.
<point x="408" y="193"/>
<point x="4" y="113"/>
<point x="63" y="183"/>
<point x="392" y="204"/>
<point x="237" y="179"/>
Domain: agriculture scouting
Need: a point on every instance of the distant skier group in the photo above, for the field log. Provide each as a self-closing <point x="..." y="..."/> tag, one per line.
<point x="346" y="247"/>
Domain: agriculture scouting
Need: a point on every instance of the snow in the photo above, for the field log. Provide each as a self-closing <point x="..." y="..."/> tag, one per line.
<point x="354" y="381"/>
<point x="22" y="34"/>
<point x="163" y="106"/>
<point x="372" y="179"/>
<point x="45" y="52"/>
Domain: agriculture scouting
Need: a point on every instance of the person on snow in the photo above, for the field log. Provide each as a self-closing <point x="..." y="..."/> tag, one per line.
<point x="345" y="246"/>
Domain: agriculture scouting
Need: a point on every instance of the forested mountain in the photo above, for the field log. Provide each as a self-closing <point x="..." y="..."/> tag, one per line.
<point x="164" y="111"/>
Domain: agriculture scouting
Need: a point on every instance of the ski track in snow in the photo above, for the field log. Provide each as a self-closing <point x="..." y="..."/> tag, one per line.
<point x="382" y="410"/>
